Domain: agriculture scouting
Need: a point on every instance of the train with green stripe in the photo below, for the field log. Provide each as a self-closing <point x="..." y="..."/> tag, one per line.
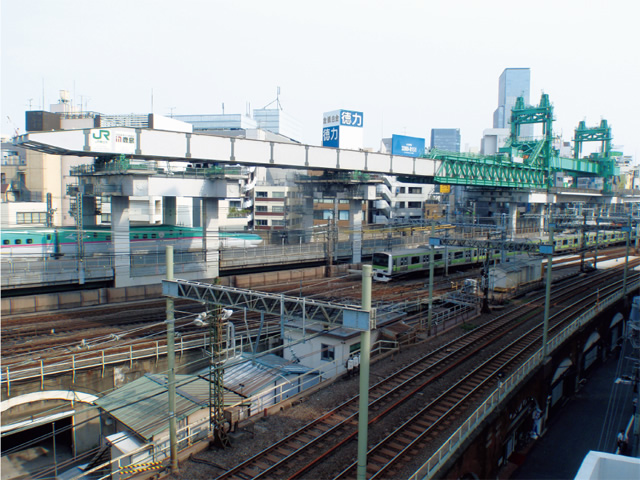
<point x="61" y="241"/>
<point x="387" y="265"/>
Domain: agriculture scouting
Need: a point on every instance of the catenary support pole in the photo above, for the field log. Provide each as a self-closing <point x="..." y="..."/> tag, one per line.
<point x="365" y="353"/>
<point x="547" y="297"/>
<point x="171" y="360"/>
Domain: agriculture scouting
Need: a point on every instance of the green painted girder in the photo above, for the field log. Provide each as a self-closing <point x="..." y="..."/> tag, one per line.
<point x="487" y="171"/>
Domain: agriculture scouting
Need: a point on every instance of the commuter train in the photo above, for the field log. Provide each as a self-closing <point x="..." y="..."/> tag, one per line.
<point x="388" y="265"/>
<point x="57" y="242"/>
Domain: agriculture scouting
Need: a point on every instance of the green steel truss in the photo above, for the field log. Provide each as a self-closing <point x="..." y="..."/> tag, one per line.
<point x="494" y="171"/>
<point x="594" y="134"/>
<point x="522" y="163"/>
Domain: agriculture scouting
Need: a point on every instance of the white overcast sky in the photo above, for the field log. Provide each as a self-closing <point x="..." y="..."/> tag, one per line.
<point x="409" y="65"/>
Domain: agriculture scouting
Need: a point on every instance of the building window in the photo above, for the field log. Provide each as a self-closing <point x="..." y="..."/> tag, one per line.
<point x="415" y="189"/>
<point x="261" y="208"/>
<point x="399" y="204"/>
<point x="327" y="352"/>
<point x="235" y="204"/>
<point x="344" y="201"/>
<point x="277" y="223"/>
<point x="262" y="195"/>
<point x="400" y="190"/>
<point x="277" y="195"/>
<point x="415" y="204"/>
<point x="262" y="223"/>
<point x="31" y="217"/>
<point x="343" y="215"/>
<point x="277" y="209"/>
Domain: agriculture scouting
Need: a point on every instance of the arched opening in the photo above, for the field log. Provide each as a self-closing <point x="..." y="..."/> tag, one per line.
<point x="617" y="328"/>
<point x="590" y="351"/>
<point x="557" y="382"/>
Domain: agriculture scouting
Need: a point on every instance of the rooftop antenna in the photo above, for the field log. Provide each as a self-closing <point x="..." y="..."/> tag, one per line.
<point x="276" y="101"/>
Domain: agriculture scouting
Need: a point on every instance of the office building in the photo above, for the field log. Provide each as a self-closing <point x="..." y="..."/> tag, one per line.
<point x="513" y="83"/>
<point x="445" y="139"/>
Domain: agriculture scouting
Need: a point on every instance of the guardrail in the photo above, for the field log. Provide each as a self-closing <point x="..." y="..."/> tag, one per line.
<point x="102" y="358"/>
<point x="430" y="468"/>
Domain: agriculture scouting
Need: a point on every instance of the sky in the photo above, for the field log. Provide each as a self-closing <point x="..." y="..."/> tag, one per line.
<point x="408" y="65"/>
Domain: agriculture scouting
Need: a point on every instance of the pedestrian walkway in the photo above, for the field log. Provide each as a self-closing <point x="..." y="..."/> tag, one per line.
<point x="577" y="429"/>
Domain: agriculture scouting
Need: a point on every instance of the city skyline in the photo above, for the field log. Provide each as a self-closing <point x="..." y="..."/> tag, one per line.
<point x="408" y="66"/>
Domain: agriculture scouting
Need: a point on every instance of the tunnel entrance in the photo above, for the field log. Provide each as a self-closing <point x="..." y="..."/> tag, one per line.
<point x="34" y="453"/>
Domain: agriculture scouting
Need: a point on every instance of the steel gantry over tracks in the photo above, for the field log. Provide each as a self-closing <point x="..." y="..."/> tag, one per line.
<point x="332" y="314"/>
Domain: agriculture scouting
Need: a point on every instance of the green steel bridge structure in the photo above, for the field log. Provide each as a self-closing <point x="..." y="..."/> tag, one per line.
<point x="529" y="162"/>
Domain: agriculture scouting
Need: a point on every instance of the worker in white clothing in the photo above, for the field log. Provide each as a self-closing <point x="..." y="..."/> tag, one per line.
<point x="356" y="362"/>
<point x="350" y="366"/>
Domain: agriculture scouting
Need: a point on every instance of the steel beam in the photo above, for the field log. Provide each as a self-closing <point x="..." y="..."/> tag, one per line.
<point x="335" y="314"/>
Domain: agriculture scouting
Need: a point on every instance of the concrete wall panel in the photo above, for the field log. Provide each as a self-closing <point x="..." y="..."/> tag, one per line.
<point x="70" y="300"/>
<point x="45" y="303"/>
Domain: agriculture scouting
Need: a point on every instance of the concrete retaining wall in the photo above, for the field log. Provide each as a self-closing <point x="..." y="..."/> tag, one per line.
<point x="88" y="298"/>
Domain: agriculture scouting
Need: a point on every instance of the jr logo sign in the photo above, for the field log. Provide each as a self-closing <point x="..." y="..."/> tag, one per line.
<point x="101" y="134"/>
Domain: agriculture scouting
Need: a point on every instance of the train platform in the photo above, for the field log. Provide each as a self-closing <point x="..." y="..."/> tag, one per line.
<point x="584" y="424"/>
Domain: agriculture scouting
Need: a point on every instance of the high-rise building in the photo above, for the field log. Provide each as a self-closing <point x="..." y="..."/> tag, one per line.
<point x="514" y="83"/>
<point x="446" y="139"/>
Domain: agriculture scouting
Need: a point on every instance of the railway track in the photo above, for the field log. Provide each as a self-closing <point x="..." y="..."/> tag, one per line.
<point x="334" y="432"/>
<point x="390" y="457"/>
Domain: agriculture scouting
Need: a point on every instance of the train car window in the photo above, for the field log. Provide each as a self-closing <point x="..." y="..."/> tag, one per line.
<point x="564" y="242"/>
<point x="144" y="235"/>
<point x="415" y="260"/>
<point x="154" y="235"/>
<point x="6" y="242"/>
<point x="404" y="261"/>
<point x="108" y="238"/>
<point x="95" y="234"/>
<point x="458" y="255"/>
<point x="18" y="241"/>
<point x="136" y="236"/>
<point x="437" y="256"/>
<point x="29" y="240"/>
<point x="48" y="236"/>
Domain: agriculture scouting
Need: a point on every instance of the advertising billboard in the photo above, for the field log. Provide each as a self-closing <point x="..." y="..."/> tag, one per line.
<point x="407" y="146"/>
<point x="331" y="137"/>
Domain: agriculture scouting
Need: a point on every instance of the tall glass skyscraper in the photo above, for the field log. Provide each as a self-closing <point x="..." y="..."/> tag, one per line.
<point x="514" y="83"/>
<point x="446" y="139"/>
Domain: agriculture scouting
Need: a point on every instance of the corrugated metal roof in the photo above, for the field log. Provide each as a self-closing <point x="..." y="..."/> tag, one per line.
<point x="250" y="376"/>
<point x="143" y="405"/>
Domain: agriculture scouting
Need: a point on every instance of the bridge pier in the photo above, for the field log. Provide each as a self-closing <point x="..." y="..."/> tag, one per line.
<point x="211" y="234"/>
<point x="120" y="240"/>
<point x="355" y="225"/>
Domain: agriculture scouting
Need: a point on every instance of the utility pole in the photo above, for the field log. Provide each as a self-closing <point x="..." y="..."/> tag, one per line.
<point x="548" y="249"/>
<point x="627" y="230"/>
<point x="365" y="353"/>
<point x="171" y="360"/>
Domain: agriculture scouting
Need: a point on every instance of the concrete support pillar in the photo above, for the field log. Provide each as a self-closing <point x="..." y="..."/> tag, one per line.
<point x="513" y="220"/>
<point x="211" y="237"/>
<point x="355" y="225"/>
<point x="196" y="210"/>
<point x="120" y="239"/>
<point x="541" y="212"/>
<point x="169" y="211"/>
<point x="88" y="211"/>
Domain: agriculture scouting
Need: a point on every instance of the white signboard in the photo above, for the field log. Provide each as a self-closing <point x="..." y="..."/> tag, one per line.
<point x="112" y="140"/>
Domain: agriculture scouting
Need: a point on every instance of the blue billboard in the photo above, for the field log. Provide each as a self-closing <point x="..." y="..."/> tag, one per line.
<point x="331" y="137"/>
<point x="407" y="146"/>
